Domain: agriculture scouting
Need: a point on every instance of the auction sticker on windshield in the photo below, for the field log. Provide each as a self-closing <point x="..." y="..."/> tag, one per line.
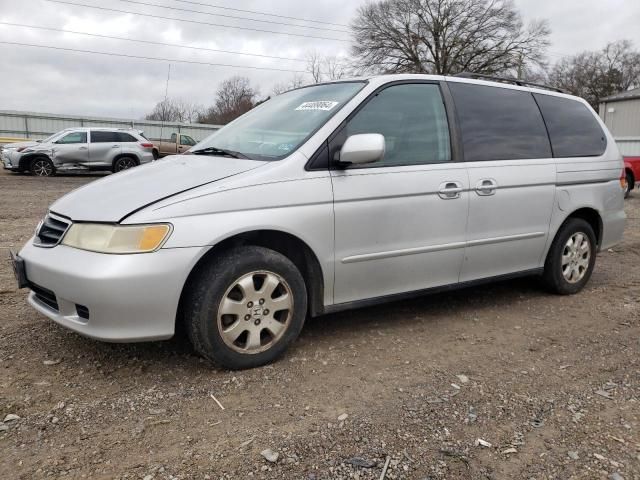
<point x="319" y="105"/>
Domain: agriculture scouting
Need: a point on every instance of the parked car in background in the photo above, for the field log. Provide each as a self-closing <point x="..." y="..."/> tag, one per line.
<point x="331" y="197"/>
<point x="178" y="143"/>
<point x="83" y="149"/>
<point x="10" y="153"/>
<point x="632" y="171"/>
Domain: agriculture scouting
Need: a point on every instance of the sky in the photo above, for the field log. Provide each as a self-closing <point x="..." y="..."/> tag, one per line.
<point x="66" y="82"/>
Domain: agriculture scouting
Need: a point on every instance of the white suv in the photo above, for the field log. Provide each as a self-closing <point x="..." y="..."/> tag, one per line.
<point x="83" y="149"/>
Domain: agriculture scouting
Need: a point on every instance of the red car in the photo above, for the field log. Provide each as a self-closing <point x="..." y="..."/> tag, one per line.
<point x="632" y="170"/>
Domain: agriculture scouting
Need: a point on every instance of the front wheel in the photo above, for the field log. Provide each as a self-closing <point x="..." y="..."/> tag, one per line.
<point x="571" y="258"/>
<point x="245" y="308"/>
<point x="42" y="167"/>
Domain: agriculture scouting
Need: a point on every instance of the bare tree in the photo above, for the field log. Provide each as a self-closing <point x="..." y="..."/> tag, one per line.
<point x="594" y="75"/>
<point x="446" y="37"/>
<point x="334" y="68"/>
<point x="296" y="81"/>
<point x="164" y="111"/>
<point x="175" y="110"/>
<point x="323" y="68"/>
<point x="314" y="66"/>
<point x="234" y="97"/>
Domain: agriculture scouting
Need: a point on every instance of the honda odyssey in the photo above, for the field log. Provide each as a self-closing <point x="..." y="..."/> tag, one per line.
<point x="330" y="197"/>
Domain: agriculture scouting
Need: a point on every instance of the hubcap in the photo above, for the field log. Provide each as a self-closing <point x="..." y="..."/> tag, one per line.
<point x="125" y="163"/>
<point x="255" y="312"/>
<point x="576" y="257"/>
<point x="42" y="168"/>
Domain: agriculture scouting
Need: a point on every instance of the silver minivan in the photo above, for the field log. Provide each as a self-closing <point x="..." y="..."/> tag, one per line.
<point x="330" y="197"/>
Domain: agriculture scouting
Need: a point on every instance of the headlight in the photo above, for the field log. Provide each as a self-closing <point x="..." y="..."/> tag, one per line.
<point x="104" y="238"/>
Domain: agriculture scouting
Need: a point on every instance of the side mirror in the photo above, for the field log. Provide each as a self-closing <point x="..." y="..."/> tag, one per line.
<point x="363" y="148"/>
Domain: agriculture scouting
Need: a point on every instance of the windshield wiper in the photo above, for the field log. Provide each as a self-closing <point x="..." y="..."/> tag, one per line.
<point x="218" y="151"/>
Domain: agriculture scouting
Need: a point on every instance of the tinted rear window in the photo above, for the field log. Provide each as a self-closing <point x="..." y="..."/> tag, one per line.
<point x="125" y="137"/>
<point x="103" y="137"/>
<point x="573" y="129"/>
<point x="499" y="123"/>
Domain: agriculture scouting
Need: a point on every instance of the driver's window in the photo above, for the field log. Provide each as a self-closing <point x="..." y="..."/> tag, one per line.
<point x="187" y="140"/>
<point x="75" y="137"/>
<point x="412" y="119"/>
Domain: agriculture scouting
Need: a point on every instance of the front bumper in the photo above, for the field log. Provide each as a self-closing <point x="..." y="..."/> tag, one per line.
<point x="8" y="161"/>
<point x="127" y="298"/>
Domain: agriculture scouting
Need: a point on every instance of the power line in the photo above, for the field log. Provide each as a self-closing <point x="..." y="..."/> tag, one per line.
<point x="213" y="5"/>
<point x="149" y="42"/>
<point x="142" y="57"/>
<point x="193" y="21"/>
<point x="189" y="10"/>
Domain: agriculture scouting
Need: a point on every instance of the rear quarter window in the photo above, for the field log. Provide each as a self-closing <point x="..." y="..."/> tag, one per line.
<point x="126" y="138"/>
<point x="573" y="128"/>
<point x="499" y="123"/>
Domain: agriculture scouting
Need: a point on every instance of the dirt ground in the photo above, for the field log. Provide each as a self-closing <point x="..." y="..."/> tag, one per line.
<point x="551" y="383"/>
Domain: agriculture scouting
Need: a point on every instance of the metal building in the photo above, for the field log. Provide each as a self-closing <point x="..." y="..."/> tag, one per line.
<point x="35" y="126"/>
<point x="621" y="114"/>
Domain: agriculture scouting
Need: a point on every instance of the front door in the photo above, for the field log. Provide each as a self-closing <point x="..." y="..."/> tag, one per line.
<point x="70" y="149"/>
<point x="400" y="222"/>
<point x="512" y="178"/>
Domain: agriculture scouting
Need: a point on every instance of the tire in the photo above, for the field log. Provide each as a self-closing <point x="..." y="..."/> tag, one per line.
<point x="124" y="163"/>
<point x="156" y="155"/>
<point x="630" y="185"/>
<point x="569" y="266"/>
<point x="42" y="167"/>
<point x="231" y="325"/>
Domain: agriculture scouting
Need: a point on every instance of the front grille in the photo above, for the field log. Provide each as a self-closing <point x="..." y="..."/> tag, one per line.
<point x="51" y="231"/>
<point x="45" y="296"/>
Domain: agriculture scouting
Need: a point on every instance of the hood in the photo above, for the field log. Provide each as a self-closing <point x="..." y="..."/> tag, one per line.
<point x="113" y="198"/>
<point x="20" y="144"/>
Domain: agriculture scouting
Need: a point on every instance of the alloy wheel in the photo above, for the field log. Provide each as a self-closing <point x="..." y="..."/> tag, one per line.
<point x="42" y="168"/>
<point x="125" y="164"/>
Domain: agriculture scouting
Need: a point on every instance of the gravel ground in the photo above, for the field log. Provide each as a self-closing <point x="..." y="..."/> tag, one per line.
<point x="502" y="381"/>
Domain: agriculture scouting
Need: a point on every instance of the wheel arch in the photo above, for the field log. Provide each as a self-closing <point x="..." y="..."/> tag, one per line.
<point x="592" y="217"/>
<point x="288" y="245"/>
<point x="25" y="161"/>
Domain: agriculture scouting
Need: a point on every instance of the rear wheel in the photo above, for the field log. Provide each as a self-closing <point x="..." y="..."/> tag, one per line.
<point x="124" y="163"/>
<point x="244" y="309"/>
<point x="156" y="155"/>
<point x="42" y="167"/>
<point x="630" y="182"/>
<point x="571" y="258"/>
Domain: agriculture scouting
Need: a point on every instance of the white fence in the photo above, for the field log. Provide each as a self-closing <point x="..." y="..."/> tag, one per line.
<point x="37" y="126"/>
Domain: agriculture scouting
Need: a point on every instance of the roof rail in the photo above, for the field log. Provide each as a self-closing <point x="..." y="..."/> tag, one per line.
<point x="514" y="81"/>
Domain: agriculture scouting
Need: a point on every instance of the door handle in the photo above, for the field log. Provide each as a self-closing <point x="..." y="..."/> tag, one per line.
<point x="115" y="146"/>
<point x="450" y="190"/>
<point x="486" y="187"/>
<point x="82" y="148"/>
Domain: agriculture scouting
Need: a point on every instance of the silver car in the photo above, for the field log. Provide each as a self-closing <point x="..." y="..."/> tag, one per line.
<point x="11" y="153"/>
<point x="82" y="149"/>
<point x="331" y="197"/>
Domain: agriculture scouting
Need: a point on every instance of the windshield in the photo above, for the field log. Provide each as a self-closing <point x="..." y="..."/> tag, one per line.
<point x="279" y="126"/>
<point x="52" y="137"/>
